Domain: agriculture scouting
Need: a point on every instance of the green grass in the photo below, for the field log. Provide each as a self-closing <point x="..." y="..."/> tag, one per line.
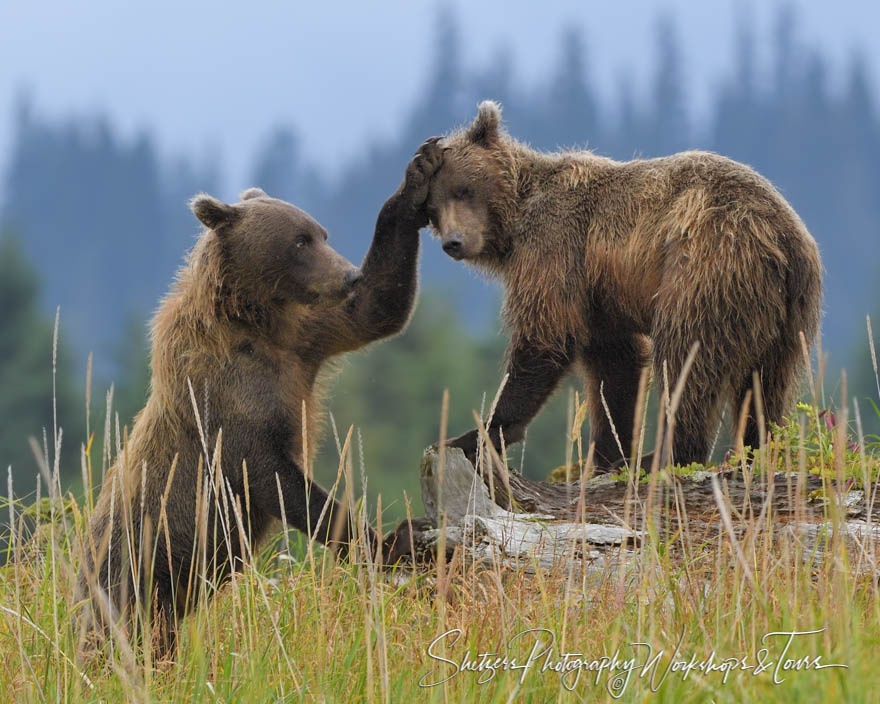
<point x="301" y="630"/>
<point x="297" y="626"/>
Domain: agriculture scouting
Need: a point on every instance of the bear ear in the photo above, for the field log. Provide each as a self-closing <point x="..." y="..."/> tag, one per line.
<point x="486" y="127"/>
<point x="254" y="192"/>
<point x="211" y="212"/>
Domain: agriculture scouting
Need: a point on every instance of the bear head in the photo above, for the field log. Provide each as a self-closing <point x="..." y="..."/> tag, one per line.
<point x="473" y="189"/>
<point x="271" y="252"/>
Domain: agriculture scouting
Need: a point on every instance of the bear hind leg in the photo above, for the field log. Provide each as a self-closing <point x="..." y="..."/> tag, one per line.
<point x="699" y="407"/>
<point x="778" y="371"/>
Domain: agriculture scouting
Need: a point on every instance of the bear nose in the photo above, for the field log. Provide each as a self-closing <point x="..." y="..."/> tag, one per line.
<point x="352" y="276"/>
<point x="453" y="246"/>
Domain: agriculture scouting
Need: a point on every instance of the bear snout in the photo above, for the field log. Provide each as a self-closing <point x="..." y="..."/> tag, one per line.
<point x="351" y="279"/>
<point x="454" y="246"/>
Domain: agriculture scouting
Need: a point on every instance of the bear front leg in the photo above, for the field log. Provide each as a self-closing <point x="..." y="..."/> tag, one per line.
<point x="401" y="542"/>
<point x="534" y="371"/>
<point x="304" y="503"/>
<point x="384" y="297"/>
<point x="410" y="199"/>
<point x="613" y="366"/>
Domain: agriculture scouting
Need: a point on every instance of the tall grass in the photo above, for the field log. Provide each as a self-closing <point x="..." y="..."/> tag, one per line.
<point x="296" y="625"/>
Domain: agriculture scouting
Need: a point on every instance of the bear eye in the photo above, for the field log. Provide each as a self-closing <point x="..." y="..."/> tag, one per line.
<point x="463" y="193"/>
<point x="301" y="241"/>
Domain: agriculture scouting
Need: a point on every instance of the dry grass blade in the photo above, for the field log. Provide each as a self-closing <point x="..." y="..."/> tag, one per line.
<point x="873" y="357"/>
<point x="731" y="533"/>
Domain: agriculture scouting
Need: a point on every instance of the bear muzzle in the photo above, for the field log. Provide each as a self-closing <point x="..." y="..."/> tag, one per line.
<point x="453" y="245"/>
<point x="351" y="279"/>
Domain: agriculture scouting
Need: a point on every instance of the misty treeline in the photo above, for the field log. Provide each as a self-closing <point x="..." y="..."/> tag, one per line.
<point x="98" y="224"/>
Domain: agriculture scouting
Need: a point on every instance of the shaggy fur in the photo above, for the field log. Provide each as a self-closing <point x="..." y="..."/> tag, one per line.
<point x="608" y="265"/>
<point x="261" y="304"/>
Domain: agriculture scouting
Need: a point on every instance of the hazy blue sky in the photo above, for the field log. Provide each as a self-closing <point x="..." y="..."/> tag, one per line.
<point x="211" y="77"/>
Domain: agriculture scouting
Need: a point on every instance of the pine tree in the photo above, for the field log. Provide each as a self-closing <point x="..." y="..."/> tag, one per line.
<point x="570" y="114"/>
<point x="91" y="206"/>
<point x="670" y="121"/>
<point x="281" y="172"/>
<point x="26" y="377"/>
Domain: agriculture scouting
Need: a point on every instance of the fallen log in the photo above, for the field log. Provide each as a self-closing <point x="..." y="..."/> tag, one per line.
<point x="502" y="517"/>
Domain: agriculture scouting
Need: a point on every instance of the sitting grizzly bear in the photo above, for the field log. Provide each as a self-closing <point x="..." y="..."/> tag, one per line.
<point x="603" y="260"/>
<point x="262" y="302"/>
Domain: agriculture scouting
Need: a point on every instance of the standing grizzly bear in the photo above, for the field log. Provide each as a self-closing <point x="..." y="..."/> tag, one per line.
<point x="262" y="302"/>
<point x="604" y="260"/>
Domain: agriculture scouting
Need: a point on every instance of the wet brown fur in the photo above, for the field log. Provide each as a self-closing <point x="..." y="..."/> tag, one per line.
<point x="604" y="260"/>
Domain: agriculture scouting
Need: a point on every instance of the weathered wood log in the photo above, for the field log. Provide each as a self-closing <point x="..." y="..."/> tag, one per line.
<point x="503" y="516"/>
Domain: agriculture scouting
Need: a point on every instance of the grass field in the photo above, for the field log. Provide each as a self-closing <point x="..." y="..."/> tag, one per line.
<point x="686" y="620"/>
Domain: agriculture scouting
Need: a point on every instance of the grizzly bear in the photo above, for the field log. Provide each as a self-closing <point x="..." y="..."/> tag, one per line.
<point x="260" y="305"/>
<point x="607" y="265"/>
